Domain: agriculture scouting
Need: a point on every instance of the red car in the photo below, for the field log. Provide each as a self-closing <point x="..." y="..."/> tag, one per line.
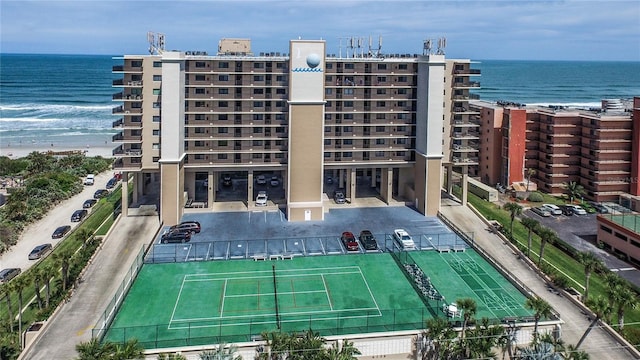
<point x="349" y="241"/>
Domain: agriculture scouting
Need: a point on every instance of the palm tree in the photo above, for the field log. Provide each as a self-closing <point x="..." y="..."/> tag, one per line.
<point x="572" y="353"/>
<point x="278" y="345"/>
<point x="128" y="351"/>
<point x="19" y="284"/>
<point x="221" y="352"/>
<point x="171" y="356"/>
<point x="94" y="350"/>
<point x="63" y="260"/>
<point x="7" y="289"/>
<point x="468" y="307"/>
<point x="345" y="352"/>
<point x="530" y="173"/>
<point x="531" y="225"/>
<point x="541" y="309"/>
<point x="514" y="210"/>
<point x="591" y="262"/>
<point x="601" y="307"/>
<point x="37" y="274"/>
<point x="48" y="272"/>
<point x="437" y="340"/>
<point x="546" y="236"/>
<point x="574" y="190"/>
<point x="483" y="339"/>
<point x="626" y="298"/>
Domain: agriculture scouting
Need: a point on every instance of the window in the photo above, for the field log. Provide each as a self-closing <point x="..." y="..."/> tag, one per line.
<point x="223" y="117"/>
<point x="347" y="142"/>
<point x="157" y="77"/>
<point x="382" y="66"/>
<point x="156" y="118"/>
<point x="199" y="130"/>
<point x="223" y="130"/>
<point x="258" y="78"/>
<point x="136" y="63"/>
<point x="281" y="91"/>
<point x="200" y="104"/>
<point x="347" y="129"/>
<point x="223" y="65"/>
<point x="381" y="91"/>
<point x="258" y="65"/>
<point x="379" y="128"/>
<point x="223" y="91"/>
<point x="197" y="91"/>
<point x="348" y="116"/>
<point x="328" y="91"/>
<point x="257" y="142"/>
<point x="329" y="65"/>
<point x="156" y="105"/>
<point x="257" y="130"/>
<point x="199" y="143"/>
<point x="380" y="116"/>
<point x="348" y="91"/>
<point x="256" y="156"/>
<point x="382" y="79"/>
<point x="156" y="132"/>
<point x="348" y="104"/>
<point x="380" y="104"/>
<point x="380" y="141"/>
<point x="401" y="129"/>
<point x="222" y="156"/>
<point x="258" y="104"/>
<point x="223" y="104"/>
<point x="280" y="78"/>
<point x="379" y="154"/>
<point x="348" y="66"/>
<point x="258" y="91"/>
<point x="258" y="117"/>
<point x="280" y="130"/>
<point x="402" y="79"/>
<point x="280" y="66"/>
<point x="401" y="141"/>
<point x="222" y="143"/>
<point x="157" y="64"/>
<point x="402" y="67"/>
<point x="200" y="64"/>
<point x="347" y="154"/>
<point x="328" y="78"/>
<point x="200" y="78"/>
<point x="223" y="77"/>
<point x="606" y="229"/>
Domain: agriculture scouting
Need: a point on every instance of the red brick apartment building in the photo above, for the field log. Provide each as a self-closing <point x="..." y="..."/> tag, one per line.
<point x="597" y="149"/>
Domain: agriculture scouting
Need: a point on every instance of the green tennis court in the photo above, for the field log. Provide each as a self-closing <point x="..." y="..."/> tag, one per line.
<point x="193" y="303"/>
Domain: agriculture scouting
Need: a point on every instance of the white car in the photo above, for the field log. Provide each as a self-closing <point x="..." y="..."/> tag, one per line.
<point x="90" y="179"/>
<point x="403" y="239"/>
<point x="553" y="209"/>
<point x="261" y="199"/>
<point x="578" y="210"/>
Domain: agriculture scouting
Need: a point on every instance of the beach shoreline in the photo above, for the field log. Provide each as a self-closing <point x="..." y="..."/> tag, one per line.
<point x="15" y="152"/>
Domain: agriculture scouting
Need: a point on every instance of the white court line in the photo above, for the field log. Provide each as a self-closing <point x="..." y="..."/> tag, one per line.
<point x="326" y="290"/>
<point x="175" y="306"/>
<point x="224" y="291"/>
<point x="279" y="293"/>
<point x="356" y="268"/>
<point x="370" y="293"/>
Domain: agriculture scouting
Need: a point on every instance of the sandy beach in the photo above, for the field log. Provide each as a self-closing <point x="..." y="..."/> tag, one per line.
<point x="18" y="151"/>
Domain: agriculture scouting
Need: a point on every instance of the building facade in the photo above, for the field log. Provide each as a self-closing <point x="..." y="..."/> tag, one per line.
<point x="596" y="149"/>
<point x="188" y="118"/>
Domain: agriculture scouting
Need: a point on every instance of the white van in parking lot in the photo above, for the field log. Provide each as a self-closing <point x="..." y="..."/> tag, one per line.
<point x="90" y="179"/>
<point x="553" y="209"/>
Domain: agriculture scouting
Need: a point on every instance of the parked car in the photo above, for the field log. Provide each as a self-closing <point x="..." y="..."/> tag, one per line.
<point x="89" y="203"/>
<point x="192" y="226"/>
<point x="578" y="210"/>
<point x="261" y="180"/>
<point x="226" y="180"/>
<point x="274" y="181"/>
<point x="111" y="183"/>
<point x="61" y="231"/>
<point x="349" y="241"/>
<point x="403" y="239"/>
<point x="599" y="208"/>
<point x="99" y="194"/>
<point x="78" y="215"/>
<point x="339" y="198"/>
<point x="175" y="237"/>
<point x="40" y="251"/>
<point x="566" y="210"/>
<point x="553" y="209"/>
<point x="367" y="240"/>
<point x="8" y="274"/>
<point x="90" y="179"/>
<point x="540" y="211"/>
<point x="261" y="199"/>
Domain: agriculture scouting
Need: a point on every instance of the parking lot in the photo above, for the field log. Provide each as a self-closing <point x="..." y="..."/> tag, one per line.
<point x="580" y="231"/>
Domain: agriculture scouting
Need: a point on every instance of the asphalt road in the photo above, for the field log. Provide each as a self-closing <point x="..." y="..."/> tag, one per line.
<point x="40" y="232"/>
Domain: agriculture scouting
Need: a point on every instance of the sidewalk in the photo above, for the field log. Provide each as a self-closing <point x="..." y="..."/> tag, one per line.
<point x="598" y="344"/>
<point x="75" y="320"/>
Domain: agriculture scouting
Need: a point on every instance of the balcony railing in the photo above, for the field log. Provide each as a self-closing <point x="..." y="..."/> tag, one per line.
<point x="118" y="123"/>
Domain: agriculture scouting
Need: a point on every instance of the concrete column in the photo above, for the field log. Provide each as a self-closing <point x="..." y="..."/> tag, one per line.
<point x="211" y="192"/>
<point x="353" y="183"/>
<point x="449" y="180"/>
<point x="341" y="179"/>
<point x="373" y="177"/>
<point x="136" y="186"/>
<point x="465" y="187"/>
<point x="125" y="197"/>
<point x="250" y="198"/>
<point x="385" y="192"/>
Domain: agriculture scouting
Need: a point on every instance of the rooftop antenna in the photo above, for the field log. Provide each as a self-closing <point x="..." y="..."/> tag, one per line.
<point x="156" y="43"/>
<point x="426" y="49"/>
<point x="375" y="52"/>
<point x="442" y="43"/>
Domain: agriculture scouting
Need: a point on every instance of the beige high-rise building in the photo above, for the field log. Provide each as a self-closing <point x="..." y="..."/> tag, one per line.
<point x="308" y="119"/>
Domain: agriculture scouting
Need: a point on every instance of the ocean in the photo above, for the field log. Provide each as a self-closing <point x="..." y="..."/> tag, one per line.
<point x="65" y="100"/>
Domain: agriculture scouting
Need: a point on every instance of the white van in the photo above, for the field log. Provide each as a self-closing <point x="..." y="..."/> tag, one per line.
<point x="553" y="209"/>
<point x="90" y="179"/>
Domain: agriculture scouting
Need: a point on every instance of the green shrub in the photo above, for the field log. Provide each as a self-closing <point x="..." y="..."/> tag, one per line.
<point x="535" y="197"/>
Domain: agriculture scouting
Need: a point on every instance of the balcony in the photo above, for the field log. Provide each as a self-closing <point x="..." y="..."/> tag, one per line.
<point x="120" y="151"/>
<point x="117" y="68"/>
<point x="466" y="84"/>
<point x="118" y="123"/>
<point x="118" y="82"/>
<point x="127" y="164"/>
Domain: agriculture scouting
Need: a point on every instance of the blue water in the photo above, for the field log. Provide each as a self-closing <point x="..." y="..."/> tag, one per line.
<point x="66" y="99"/>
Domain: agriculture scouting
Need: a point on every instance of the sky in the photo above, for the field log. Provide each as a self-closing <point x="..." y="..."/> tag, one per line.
<point x="505" y="30"/>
